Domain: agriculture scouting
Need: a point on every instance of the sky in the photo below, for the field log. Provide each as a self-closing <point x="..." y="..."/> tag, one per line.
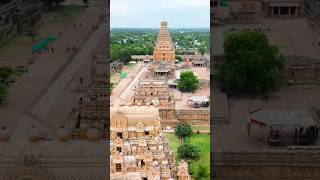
<point x="149" y="13"/>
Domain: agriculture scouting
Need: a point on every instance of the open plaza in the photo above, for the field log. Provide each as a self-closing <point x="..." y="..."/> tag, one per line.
<point x="55" y="112"/>
<point x="283" y="121"/>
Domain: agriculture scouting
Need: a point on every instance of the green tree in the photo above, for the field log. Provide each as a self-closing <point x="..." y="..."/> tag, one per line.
<point x="183" y="130"/>
<point x="202" y="173"/>
<point x="49" y="3"/>
<point x="3" y="93"/>
<point x="58" y="2"/>
<point x="5" y="73"/>
<point x="85" y="2"/>
<point x="191" y="168"/>
<point x="188" y="81"/>
<point x="202" y="50"/>
<point x="189" y="151"/>
<point x="251" y="64"/>
<point x="179" y="58"/>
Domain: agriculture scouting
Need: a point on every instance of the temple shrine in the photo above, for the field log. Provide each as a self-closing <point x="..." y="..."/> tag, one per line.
<point x="138" y="148"/>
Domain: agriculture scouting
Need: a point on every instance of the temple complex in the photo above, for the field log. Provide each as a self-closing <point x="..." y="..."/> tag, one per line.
<point x="156" y="93"/>
<point x="138" y="148"/>
<point x="280" y="130"/>
<point x="149" y="105"/>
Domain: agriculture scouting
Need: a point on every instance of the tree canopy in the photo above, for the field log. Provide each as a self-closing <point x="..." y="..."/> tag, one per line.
<point x="125" y="42"/>
<point x="3" y="93"/>
<point x="251" y="64"/>
<point x="202" y="173"/>
<point x="188" y="81"/>
<point x="5" y="73"/>
<point x="183" y="130"/>
<point x="49" y="3"/>
<point x="189" y="151"/>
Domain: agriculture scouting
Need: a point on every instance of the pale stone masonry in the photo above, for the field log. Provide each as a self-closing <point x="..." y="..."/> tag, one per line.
<point x="138" y="148"/>
<point x="163" y="53"/>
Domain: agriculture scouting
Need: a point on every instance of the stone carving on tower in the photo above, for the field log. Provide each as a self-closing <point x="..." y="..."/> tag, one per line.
<point x="163" y="53"/>
<point x="156" y="93"/>
<point x="143" y="152"/>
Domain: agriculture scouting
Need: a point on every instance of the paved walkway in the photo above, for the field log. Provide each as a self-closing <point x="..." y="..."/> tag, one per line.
<point x="53" y="93"/>
<point x="27" y="91"/>
<point x="124" y="84"/>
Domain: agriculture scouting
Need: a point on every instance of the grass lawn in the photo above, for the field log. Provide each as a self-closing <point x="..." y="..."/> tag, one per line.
<point x="202" y="140"/>
<point x="173" y="142"/>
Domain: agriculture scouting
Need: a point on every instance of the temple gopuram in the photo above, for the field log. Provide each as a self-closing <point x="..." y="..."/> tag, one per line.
<point x="163" y="53"/>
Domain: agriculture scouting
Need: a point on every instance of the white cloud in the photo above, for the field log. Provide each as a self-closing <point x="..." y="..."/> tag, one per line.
<point x="121" y="9"/>
<point x="178" y="4"/>
<point x="147" y="13"/>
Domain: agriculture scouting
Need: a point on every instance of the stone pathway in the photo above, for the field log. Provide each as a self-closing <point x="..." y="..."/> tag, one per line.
<point x="120" y="90"/>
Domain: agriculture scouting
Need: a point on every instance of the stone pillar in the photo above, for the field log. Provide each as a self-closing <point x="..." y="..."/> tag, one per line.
<point x="289" y="12"/>
<point x="272" y="11"/>
<point x="279" y="11"/>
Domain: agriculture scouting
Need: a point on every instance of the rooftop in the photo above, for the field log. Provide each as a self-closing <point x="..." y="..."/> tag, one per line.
<point x="284" y="117"/>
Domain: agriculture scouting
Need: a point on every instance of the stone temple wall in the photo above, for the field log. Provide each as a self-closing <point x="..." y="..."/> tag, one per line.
<point x="54" y="168"/>
<point x="79" y="160"/>
<point x="267" y="164"/>
<point x="197" y="117"/>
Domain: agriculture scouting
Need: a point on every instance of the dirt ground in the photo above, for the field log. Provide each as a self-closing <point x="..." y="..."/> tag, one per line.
<point x="234" y="135"/>
<point x="291" y="36"/>
<point x="115" y="77"/>
<point x="17" y="50"/>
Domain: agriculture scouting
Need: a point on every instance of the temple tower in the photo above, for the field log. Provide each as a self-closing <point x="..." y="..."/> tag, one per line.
<point x="163" y="53"/>
<point x="164" y="50"/>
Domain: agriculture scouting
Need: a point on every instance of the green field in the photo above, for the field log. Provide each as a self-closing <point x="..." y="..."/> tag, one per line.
<point x="202" y="140"/>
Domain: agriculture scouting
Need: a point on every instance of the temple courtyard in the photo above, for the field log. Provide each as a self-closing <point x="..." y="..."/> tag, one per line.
<point x="286" y="34"/>
<point x="48" y="105"/>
